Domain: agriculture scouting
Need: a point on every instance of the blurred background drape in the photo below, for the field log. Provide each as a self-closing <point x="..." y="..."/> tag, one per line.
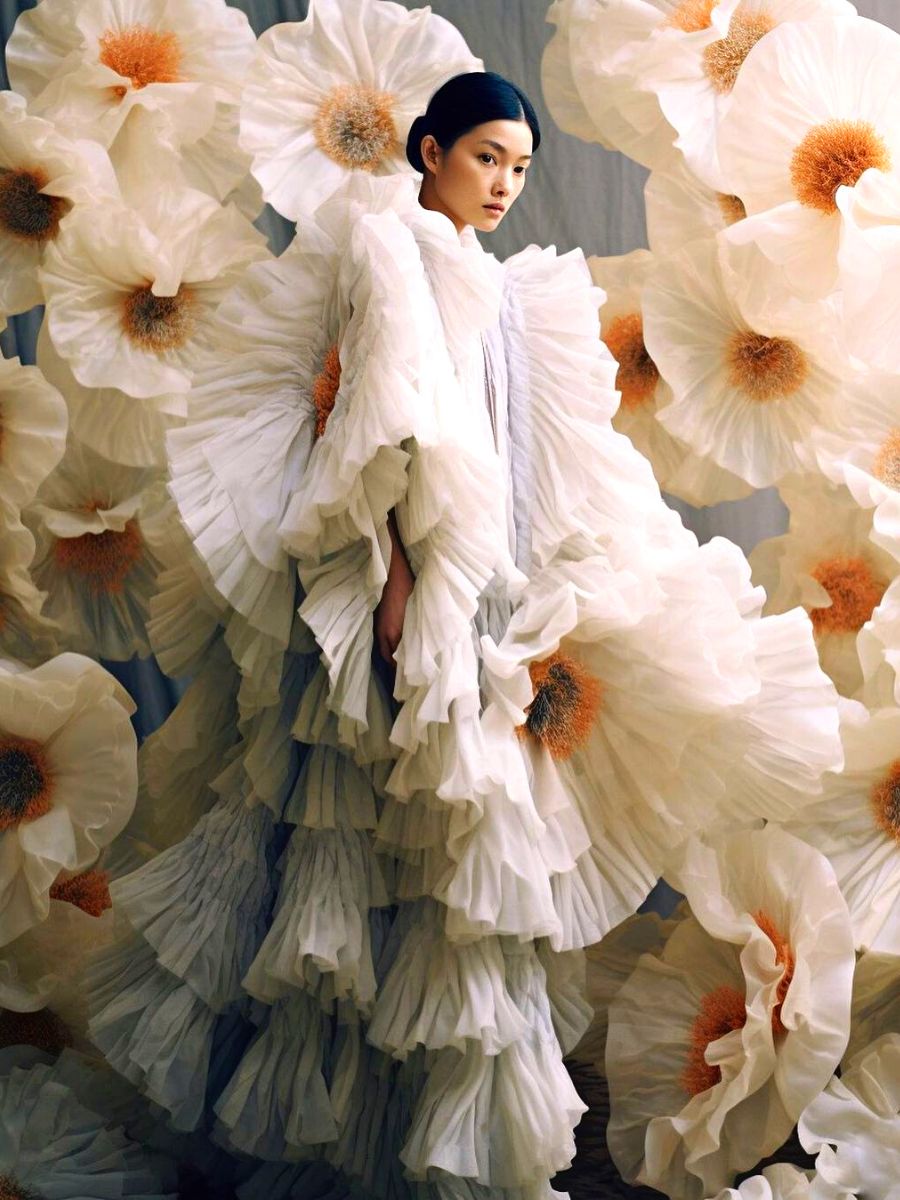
<point x="577" y="195"/>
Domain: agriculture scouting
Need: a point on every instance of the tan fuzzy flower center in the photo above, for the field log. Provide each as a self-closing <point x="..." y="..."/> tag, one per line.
<point x="721" y="1011"/>
<point x="637" y="375"/>
<point x="325" y="388"/>
<point x="853" y="590"/>
<point x="142" y="55"/>
<point x="886" y="802"/>
<point x="691" y="16"/>
<point x="103" y="560"/>
<point x="355" y="127"/>
<point x="731" y="207"/>
<point x="723" y="59"/>
<point x="26" y="214"/>
<point x="88" y="891"/>
<point x="159" y="323"/>
<point x="26" y="781"/>
<point x="765" y="368"/>
<point x="11" y="1189"/>
<point x="784" y="958"/>
<point x="834" y="155"/>
<point x="565" y="705"/>
<point x="43" y="1029"/>
<point x="887" y="461"/>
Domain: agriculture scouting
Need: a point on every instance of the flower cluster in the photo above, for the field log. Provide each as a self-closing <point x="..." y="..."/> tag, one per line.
<point x="756" y="343"/>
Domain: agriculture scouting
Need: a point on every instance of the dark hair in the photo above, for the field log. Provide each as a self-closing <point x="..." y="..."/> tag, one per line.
<point x="464" y="102"/>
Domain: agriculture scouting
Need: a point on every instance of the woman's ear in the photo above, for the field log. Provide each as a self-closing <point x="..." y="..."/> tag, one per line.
<point x="431" y="153"/>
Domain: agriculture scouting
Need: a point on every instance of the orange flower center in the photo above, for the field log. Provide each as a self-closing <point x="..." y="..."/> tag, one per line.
<point x="42" y="1029"/>
<point x="105" y="559"/>
<point x="834" y="155"/>
<point x="325" y="388"/>
<point x="88" y="891"/>
<point x="11" y="1189"/>
<point x="731" y="207"/>
<point x="565" y="705"/>
<point x="637" y="375"/>
<point x="355" y="127"/>
<point x="886" y="802"/>
<point x="887" y="461"/>
<point x="159" y="323"/>
<point x="25" y="213"/>
<point x="784" y="958"/>
<point x="721" y="1011"/>
<point x="723" y="59"/>
<point x="142" y="55"/>
<point x="765" y="368"/>
<point x="26" y="781"/>
<point x="692" y="16"/>
<point x="854" y="593"/>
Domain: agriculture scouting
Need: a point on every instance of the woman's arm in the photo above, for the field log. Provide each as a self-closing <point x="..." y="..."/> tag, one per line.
<point x="392" y="606"/>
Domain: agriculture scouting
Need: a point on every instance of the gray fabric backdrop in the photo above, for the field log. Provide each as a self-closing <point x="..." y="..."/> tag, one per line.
<point x="577" y="195"/>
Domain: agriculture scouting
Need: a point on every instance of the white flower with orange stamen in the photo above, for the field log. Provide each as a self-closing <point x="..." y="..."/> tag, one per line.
<point x="589" y="83"/>
<point x="68" y="779"/>
<point x="748" y="396"/>
<point x="692" y="73"/>
<point x="94" y="523"/>
<point x="795" y="151"/>
<point x="869" y="258"/>
<point x="855" y="1125"/>
<point x="856" y="825"/>
<point x="643" y="391"/>
<point x="42" y="175"/>
<point x="831" y="566"/>
<point x="130" y="295"/>
<point x="86" y="64"/>
<point x="863" y="453"/>
<point x="320" y="104"/>
<point x="681" y="208"/>
<point x="717" y="1044"/>
<point x="40" y="969"/>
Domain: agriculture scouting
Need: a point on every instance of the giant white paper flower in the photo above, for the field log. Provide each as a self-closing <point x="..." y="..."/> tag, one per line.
<point x="123" y="428"/>
<point x="876" y="1000"/>
<point x="68" y="779"/>
<point x="590" y="84"/>
<point x="811" y="114"/>
<point x="693" y="73"/>
<point x="130" y="294"/>
<point x="53" y="1144"/>
<point x="863" y="453"/>
<point x="41" y="969"/>
<point x="42" y="174"/>
<point x="856" y="825"/>
<point x="93" y="521"/>
<point x="748" y="396"/>
<point x="338" y="92"/>
<point x="677" y="469"/>
<point x="878" y="646"/>
<point x="680" y="208"/>
<point x="870" y="253"/>
<point x="779" y="1182"/>
<point x="32" y="432"/>
<point x="85" y="64"/>
<point x="717" y="1044"/>
<point x="855" y="1124"/>
<point x="831" y="567"/>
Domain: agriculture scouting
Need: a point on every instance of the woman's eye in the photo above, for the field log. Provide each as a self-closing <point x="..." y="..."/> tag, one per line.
<point x="520" y="170"/>
<point x="486" y="158"/>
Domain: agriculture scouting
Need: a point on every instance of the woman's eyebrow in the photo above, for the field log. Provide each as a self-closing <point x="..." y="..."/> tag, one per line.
<point x="499" y="146"/>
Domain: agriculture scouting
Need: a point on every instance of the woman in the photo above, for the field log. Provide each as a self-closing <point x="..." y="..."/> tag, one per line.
<point x="572" y="679"/>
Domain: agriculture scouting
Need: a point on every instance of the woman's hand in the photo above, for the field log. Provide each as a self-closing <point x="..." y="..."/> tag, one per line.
<point x="391" y="607"/>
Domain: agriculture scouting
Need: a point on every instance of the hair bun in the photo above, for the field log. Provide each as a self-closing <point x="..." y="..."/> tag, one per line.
<point x="414" y="143"/>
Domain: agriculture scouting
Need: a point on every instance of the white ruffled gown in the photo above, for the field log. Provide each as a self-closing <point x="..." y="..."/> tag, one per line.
<point x="364" y="943"/>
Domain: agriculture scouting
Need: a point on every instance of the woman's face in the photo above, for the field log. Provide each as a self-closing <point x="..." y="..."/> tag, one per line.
<point x="478" y="179"/>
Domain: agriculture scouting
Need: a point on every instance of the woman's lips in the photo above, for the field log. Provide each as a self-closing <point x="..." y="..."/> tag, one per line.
<point x="496" y="208"/>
